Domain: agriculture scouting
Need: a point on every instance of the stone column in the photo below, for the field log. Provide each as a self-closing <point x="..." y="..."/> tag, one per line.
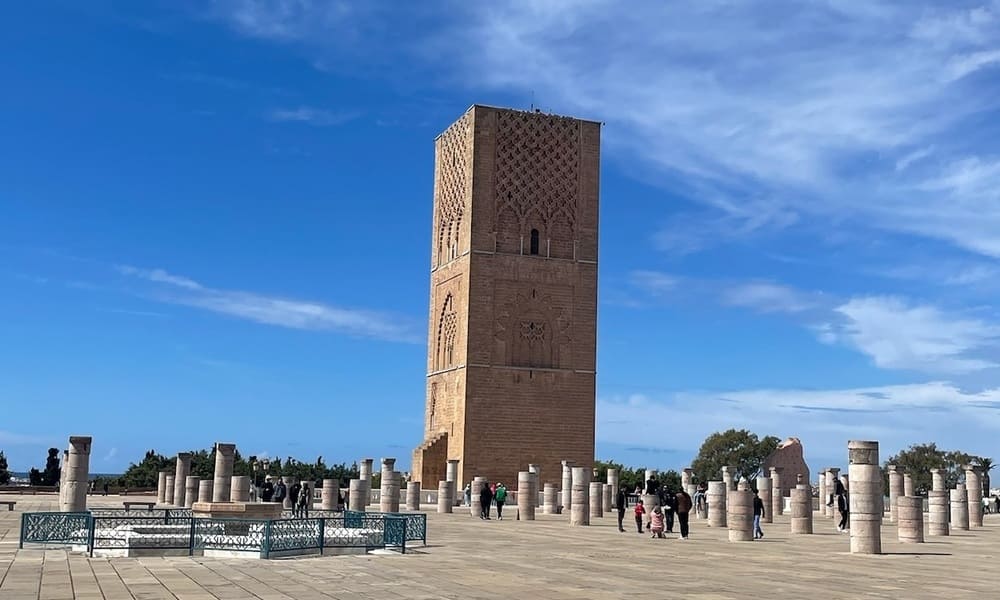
<point x="451" y="476"/>
<point x="974" y="489"/>
<point x="823" y="493"/>
<point x="168" y="497"/>
<point x="413" y="496"/>
<point x="191" y="483"/>
<point x="938" y="480"/>
<point x="388" y="486"/>
<point x="777" y="495"/>
<point x="63" y="474"/>
<point x="959" y="508"/>
<point x="223" y="477"/>
<point x="536" y="480"/>
<point x="205" y="490"/>
<point x="161" y="487"/>
<point x="475" y="506"/>
<point x="330" y="499"/>
<point x="446" y="503"/>
<point x="910" y="519"/>
<point x="286" y="503"/>
<point x="356" y="491"/>
<point x="181" y="470"/>
<point x="832" y="474"/>
<point x="525" y="506"/>
<point x="865" y="497"/>
<point x="77" y="473"/>
<point x="908" y="485"/>
<point x="580" y="503"/>
<point x="728" y="477"/>
<point x="365" y="476"/>
<point x="614" y="481"/>
<point x="567" y="485"/>
<point x="596" y="499"/>
<point x="895" y="488"/>
<point x="716" y="498"/>
<point x="686" y="476"/>
<point x="239" y="488"/>
<point x="764" y="491"/>
<point x="739" y="514"/>
<point x="937" y="503"/>
<point x="801" y="506"/>
<point x="550" y="499"/>
<point x="609" y="498"/>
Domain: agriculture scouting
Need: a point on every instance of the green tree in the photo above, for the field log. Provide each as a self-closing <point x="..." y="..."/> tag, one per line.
<point x="35" y="477"/>
<point x="919" y="459"/>
<point x="146" y="472"/>
<point x="739" y="448"/>
<point x="4" y="473"/>
<point x="987" y="464"/>
<point x="51" y="474"/>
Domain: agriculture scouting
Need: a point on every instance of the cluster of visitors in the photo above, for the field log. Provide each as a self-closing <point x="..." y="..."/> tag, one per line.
<point x="490" y="495"/>
<point x="991" y="505"/>
<point x="660" y="518"/>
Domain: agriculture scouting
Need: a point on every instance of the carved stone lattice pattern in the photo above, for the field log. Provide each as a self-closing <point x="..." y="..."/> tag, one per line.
<point x="531" y="332"/>
<point x="454" y="185"/>
<point x="446" y="335"/>
<point x="537" y="172"/>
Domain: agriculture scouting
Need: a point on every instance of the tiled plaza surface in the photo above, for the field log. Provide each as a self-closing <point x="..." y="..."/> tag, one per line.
<point x="545" y="559"/>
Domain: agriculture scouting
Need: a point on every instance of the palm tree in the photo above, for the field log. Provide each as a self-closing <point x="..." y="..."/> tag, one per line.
<point x="986" y="463"/>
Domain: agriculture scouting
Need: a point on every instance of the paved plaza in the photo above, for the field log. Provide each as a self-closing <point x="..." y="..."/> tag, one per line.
<point x="469" y="558"/>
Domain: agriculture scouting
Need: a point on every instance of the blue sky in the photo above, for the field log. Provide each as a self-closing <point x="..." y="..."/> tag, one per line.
<point x="215" y="218"/>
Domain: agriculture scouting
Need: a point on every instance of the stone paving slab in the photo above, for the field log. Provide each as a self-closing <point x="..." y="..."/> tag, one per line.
<point x="469" y="559"/>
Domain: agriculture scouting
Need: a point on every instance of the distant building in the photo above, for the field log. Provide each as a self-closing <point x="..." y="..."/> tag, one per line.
<point x="790" y="459"/>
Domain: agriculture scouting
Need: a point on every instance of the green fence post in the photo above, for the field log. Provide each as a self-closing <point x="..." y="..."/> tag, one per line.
<point x="267" y="539"/>
<point x="191" y="539"/>
<point x="24" y="522"/>
<point x="90" y="535"/>
<point x="322" y="534"/>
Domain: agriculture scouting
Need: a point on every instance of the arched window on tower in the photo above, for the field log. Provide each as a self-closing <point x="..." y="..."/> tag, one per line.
<point x="534" y="242"/>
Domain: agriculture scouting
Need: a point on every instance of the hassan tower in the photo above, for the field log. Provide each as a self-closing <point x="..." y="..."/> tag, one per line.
<point x="512" y="344"/>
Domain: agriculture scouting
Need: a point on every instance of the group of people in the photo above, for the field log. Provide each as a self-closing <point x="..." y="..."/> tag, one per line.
<point x="299" y="495"/>
<point x="670" y="506"/>
<point x="490" y="495"/>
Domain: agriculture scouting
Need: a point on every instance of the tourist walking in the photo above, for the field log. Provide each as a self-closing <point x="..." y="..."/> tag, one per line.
<point x="485" y="499"/>
<point x="106" y="488"/>
<point x="667" y="502"/>
<point x="639" y="511"/>
<point x="622" y="499"/>
<point x="758" y="514"/>
<point x="267" y="491"/>
<point x="843" y="507"/>
<point x="468" y="494"/>
<point x="500" y="495"/>
<point x="293" y="495"/>
<point x="303" y="501"/>
<point x="700" y="499"/>
<point x="682" y="506"/>
<point x="280" y="491"/>
<point x="656" y="522"/>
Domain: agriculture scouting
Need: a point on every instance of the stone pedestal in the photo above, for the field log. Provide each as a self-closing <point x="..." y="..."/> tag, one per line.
<point x="356" y="491"/>
<point x="764" y="490"/>
<point x="451" y="476"/>
<point x="330" y="499"/>
<point x="938" y="480"/>
<point x="613" y="481"/>
<point x="609" y="498"/>
<point x="596" y="499"/>
<point x="446" y="503"/>
<point x="233" y="511"/>
<point x="182" y="468"/>
<point x="580" y="503"/>
<point x="161" y="487"/>
<point x="801" y="508"/>
<point x="937" y="503"/>
<point x="223" y="476"/>
<point x="536" y="480"/>
<point x="739" y="514"/>
<point x="777" y="495"/>
<point x="895" y="488"/>
<point x="239" y="488"/>
<point x="413" y="496"/>
<point x="365" y="476"/>
<point x="550" y="499"/>
<point x="830" y="510"/>
<point x="910" y="519"/>
<point x="567" y="485"/>
<point x="908" y="485"/>
<point x="286" y="502"/>
<point x="191" y="483"/>
<point x="729" y="478"/>
<point x="525" y="506"/>
<point x="974" y="490"/>
<point x="389" y="489"/>
<point x="205" y="490"/>
<point x="168" y="497"/>
<point x="959" y="509"/>
<point x="475" y="506"/>
<point x="716" y="497"/>
<point x="865" y="497"/>
<point x="77" y="474"/>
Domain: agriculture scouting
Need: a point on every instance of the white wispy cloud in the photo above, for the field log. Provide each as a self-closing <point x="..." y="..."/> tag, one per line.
<point x="764" y="296"/>
<point x="113" y="452"/>
<point x="272" y="310"/>
<point x="312" y="116"/>
<point x="653" y="282"/>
